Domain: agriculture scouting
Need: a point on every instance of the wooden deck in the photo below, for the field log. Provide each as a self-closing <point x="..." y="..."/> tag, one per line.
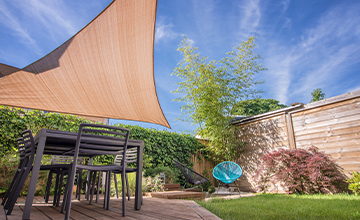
<point x="153" y="208"/>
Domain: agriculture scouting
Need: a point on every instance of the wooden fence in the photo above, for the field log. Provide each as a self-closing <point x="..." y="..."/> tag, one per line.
<point x="332" y="125"/>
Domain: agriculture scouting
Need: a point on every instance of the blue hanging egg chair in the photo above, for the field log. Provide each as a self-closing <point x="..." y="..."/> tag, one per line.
<point x="227" y="172"/>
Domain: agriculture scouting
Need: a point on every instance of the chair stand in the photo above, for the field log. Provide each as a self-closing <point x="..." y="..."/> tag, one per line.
<point x="237" y="186"/>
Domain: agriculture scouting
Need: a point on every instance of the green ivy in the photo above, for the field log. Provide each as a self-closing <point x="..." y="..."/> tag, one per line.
<point x="161" y="147"/>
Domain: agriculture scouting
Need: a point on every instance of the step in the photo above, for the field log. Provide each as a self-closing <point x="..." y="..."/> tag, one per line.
<point x="178" y="195"/>
<point x="172" y="187"/>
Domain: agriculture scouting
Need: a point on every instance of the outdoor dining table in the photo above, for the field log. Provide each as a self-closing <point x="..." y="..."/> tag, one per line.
<point x="54" y="142"/>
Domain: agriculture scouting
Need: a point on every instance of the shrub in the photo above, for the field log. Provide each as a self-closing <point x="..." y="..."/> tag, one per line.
<point x="211" y="189"/>
<point x="170" y="174"/>
<point x="354" y="183"/>
<point x="8" y="166"/>
<point x="132" y="184"/>
<point x="206" y="186"/>
<point x="304" y="170"/>
<point x="152" y="184"/>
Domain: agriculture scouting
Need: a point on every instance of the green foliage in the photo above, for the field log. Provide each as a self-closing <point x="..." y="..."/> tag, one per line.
<point x="279" y="206"/>
<point x="212" y="88"/>
<point x="206" y="186"/>
<point x="354" y="183"/>
<point x="152" y="184"/>
<point x="15" y="120"/>
<point x="160" y="147"/>
<point x="256" y="106"/>
<point x="317" y="95"/>
<point x="211" y="189"/>
<point x="170" y="174"/>
<point x="132" y="184"/>
<point x="8" y="165"/>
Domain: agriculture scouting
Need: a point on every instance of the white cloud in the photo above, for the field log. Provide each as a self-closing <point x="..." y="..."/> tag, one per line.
<point x="318" y="59"/>
<point x="53" y="15"/>
<point x="164" y="32"/>
<point x="10" y="20"/>
<point x="250" y="16"/>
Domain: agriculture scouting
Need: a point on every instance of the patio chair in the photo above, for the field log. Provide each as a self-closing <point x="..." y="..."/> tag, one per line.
<point x="27" y="154"/>
<point x="23" y="162"/>
<point x="64" y="162"/>
<point x="190" y="175"/>
<point x="92" y="140"/>
<point x="130" y="157"/>
<point x="227" y="172"/>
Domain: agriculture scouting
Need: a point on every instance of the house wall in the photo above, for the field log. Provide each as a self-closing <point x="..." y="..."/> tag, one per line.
<point x="332" y="125"/>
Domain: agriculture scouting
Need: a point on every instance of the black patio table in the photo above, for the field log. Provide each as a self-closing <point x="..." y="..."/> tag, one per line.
<point x="53" y="142"/>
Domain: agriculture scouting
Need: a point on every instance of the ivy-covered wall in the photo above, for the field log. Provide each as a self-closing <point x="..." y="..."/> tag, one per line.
<point x="161" y="147"/>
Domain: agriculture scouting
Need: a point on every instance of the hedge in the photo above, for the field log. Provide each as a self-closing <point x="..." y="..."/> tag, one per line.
<point x="160" y="147"/>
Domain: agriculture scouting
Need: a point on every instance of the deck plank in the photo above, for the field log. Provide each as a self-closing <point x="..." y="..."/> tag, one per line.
<point x="152" y="209"/>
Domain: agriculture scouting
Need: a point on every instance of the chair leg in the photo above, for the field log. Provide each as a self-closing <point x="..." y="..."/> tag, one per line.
<point x="93" y="187"/>
<point x="237" y="187"/>
<point x="116" y="186"/>
<point x="123" y="191"/>
<point x="89" y="185"/>
<point x="57" y="186"/>
<point x="127" y="185"/>
<point x="16" y="192"/>
<point x="219" y="187"/>
<point x="106" y="190"/>
<point x="63" y="205"/>
<point x="58" y="195"/>
<point x="71" y="178"/>
<point x="79" y="185"/>
<point x="48" y="186"/>
<point x="11" y="186"/>
<point x="98" y="187"/>
<point x="108" y="193"/>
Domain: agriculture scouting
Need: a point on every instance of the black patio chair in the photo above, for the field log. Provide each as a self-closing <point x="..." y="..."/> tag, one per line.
<point x="26" y="146"/>
<point x="130" y="157"/>
<point x="190" y="175"/>
<point x="23" y="162"/>
<point x="95" y="139"/>
<point x="63" y="162"/>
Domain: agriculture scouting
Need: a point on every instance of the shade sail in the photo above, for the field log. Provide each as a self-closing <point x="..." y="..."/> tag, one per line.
<point x="105" y="70"/>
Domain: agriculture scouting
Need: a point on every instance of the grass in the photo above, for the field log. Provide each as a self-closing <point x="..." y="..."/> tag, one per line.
<point x="280" y="206"/>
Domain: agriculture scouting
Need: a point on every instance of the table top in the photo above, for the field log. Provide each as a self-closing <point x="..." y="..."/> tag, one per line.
<point x="61" y="142"/>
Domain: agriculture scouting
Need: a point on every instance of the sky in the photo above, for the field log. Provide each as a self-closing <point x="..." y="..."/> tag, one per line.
<point x="304" y="44"/>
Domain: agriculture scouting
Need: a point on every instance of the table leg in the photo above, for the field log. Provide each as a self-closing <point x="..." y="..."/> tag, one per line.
<point x="138" y="190"/>
<point x="34" y="176"/>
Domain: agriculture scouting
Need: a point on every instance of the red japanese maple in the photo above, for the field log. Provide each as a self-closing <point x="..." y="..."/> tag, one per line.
<point x="303" y="170"/>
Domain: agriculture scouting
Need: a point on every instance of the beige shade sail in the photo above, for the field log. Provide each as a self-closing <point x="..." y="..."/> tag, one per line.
<point x="105" y="70"/>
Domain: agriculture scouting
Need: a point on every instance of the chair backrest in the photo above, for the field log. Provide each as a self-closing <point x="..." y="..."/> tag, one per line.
<point x="59" y="159"/>
<point x="227" y="172"/>
<point x="95" y="139"/>
<point x="130" y="156"/>
<point x="190" y="175"/>
<point x="26" y="146"/>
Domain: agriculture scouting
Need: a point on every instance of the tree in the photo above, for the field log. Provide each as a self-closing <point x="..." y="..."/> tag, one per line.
<point x="257" y="106"/>
<point x="212" y="88"/>
<point x="317" y="95"/>
<point x="304" y="170"/>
